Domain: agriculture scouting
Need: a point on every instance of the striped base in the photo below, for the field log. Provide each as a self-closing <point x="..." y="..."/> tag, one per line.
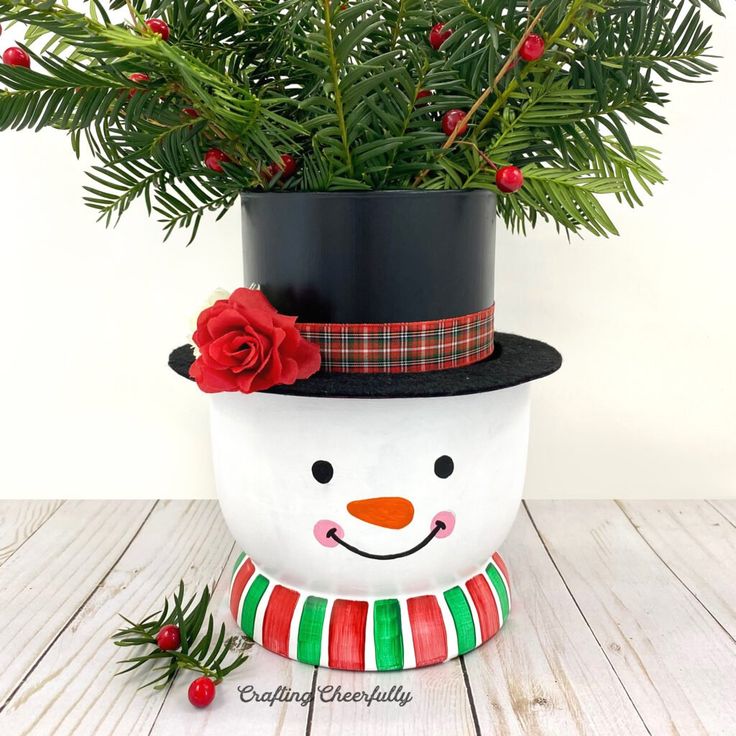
<point x="373" y="633"/>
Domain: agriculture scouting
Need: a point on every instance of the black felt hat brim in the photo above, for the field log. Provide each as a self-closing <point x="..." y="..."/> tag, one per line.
<point x="515" y="360"/>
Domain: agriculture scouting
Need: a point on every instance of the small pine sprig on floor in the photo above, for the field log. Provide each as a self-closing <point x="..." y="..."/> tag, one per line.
<point x="174" y="633"/>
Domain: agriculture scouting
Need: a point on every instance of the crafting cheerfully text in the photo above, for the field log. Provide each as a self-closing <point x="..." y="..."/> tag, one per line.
<point x="325" y="694"/>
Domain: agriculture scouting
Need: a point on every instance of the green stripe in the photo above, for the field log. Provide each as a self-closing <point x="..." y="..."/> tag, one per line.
<point x="309" y="639"/>
<point x="250" y="606"/>
<point x="463" y="618"/>
<point x="241" y="557"/>
<point x="500" y="587"/>
<point x="387" y="635"/>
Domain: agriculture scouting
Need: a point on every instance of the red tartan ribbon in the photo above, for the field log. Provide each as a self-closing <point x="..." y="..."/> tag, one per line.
<point x="403" y="347"/>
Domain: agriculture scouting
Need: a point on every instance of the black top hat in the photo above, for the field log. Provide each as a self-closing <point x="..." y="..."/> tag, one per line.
<point x="395" y="287"/>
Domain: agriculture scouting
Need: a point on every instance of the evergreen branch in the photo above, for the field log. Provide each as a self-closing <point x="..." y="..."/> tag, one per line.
<point x="336" y="86"/>
<point x="197" y="651"/>
<point x="185" y="209"/>
<point x="335" y="78"/>
<point x="510" y="61"/>
<point x="501" y="99"/>
<point x="122" y="184"/>
<point x="570" y="198"/>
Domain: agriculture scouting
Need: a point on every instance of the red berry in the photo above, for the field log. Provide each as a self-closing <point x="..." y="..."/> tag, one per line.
<point x="168" y="638"/>
<point x="214" y="158"/>
<point x="139" y="78"/>
<point x="532" y="48"/>
<point x="201" y="692"/>
<point x="438" y="35"/>
<point x="451" y="120"/>
<point x="159" y="26"/>
<point x="287" y="167"/>
<point x="190" y="112"/>
<point x="16" y="57"/>
<point x="509" y="179"/>
<point x="423" y="93"/>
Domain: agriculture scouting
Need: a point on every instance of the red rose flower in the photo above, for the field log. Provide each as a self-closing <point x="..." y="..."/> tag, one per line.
<point x="246" y="345"/>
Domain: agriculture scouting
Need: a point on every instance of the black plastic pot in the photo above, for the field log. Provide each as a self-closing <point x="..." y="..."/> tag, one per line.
<point x="397" y="256"/>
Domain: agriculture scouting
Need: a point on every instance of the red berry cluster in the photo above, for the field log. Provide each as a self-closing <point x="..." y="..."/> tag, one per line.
<point x="160" y="27"/>
<point x="451" y="120"/>
<point x="202" y="690"/>
<point x="508" y="178"/>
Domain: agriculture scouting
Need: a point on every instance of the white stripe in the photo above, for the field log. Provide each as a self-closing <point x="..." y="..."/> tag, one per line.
<point x="324" y="650"/>
<point x="498" y="602"/>
<point x="261" y="612"/>
<point x="410" y="657"/>
<point x="294" y="628"/>
<point x="453" y="647"/>
<point x="370" y="642"/>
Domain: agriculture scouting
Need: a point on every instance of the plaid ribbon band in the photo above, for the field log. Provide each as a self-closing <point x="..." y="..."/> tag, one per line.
<point x="403" y="347"/>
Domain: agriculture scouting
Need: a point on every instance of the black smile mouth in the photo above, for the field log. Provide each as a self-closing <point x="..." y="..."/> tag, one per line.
<point x="438" y="527"/>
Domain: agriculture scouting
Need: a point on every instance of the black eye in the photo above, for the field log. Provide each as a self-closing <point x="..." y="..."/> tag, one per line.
<point x="443" y="466"/>
<point x="323" y="471"/>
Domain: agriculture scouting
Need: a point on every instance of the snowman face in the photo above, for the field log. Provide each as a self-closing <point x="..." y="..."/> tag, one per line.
<point x="370" y="497"/>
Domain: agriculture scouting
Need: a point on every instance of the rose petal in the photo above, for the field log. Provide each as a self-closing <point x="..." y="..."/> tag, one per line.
<point x="211" y="381"/>
<point x="308" y="359"/>
<point x="253" y="299"/>
<point x="234" y="350"/>
<point x="289" y="372"/>
<point x="226" y="321"/>
<point x="270" y="372"/>
<point x="261" y="321"/>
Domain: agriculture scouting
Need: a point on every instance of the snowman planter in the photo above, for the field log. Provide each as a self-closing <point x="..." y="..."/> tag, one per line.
<point x="371" y="495"/>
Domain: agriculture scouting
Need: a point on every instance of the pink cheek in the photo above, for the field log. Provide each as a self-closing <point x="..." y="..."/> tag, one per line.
<point x="448" y="519"/>
<point x="322" y="527"/>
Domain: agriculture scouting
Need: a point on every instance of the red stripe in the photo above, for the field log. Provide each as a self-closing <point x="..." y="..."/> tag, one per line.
<point x="502" y="567"/>
<point x="427" y="630"/>
<point x="347" y="635"/>
<point x="485" y="604"/>
<point x="241" y="580"/>
<point x="277" y="619"/>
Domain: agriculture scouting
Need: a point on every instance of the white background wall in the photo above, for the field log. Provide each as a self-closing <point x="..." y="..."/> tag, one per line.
<point x="645" y="405"/>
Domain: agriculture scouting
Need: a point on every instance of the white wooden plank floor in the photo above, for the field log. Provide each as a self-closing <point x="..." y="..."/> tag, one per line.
<point x="623" y="623"/>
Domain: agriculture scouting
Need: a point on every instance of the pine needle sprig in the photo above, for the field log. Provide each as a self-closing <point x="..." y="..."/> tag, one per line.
<point x="199" y="652"/>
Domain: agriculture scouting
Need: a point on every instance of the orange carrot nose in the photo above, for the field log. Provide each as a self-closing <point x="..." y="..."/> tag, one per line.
<point x="392" y="512"/>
